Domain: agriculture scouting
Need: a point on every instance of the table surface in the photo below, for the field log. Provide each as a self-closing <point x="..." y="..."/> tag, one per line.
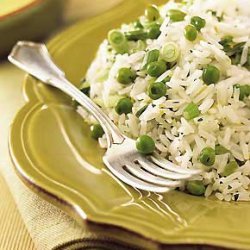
<point x="13" y="233"/>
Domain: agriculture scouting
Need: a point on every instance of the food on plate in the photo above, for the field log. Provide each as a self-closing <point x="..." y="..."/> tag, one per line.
<point x="177" y="80"/>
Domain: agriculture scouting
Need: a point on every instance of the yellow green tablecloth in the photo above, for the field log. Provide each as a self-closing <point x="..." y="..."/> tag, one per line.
<point x="13" y="233"/>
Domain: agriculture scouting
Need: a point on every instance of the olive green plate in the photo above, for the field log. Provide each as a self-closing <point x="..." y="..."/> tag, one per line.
<point x="53" y="153"/>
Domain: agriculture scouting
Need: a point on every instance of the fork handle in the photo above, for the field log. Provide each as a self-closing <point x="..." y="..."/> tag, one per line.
<point x="34" y="58"/>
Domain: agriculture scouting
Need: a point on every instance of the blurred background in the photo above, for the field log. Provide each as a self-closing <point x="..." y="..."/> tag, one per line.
<point x="38" y="19"/>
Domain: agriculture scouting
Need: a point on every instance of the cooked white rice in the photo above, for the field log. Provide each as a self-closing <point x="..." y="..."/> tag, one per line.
<point x="224" y="119"/>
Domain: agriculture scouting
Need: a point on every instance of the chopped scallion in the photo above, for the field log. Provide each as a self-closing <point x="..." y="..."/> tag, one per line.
<point x="191" y="111"/>
<point x="151" y="56"/>
<point x="176" y="15"/>
<point x="141" y="110"/>
<point x="136" y="35"/>
<point x="118" y="41"/>
<point x="230" y="168"/>
<point x="220" y="150"/>
<point x="170" y="52"/>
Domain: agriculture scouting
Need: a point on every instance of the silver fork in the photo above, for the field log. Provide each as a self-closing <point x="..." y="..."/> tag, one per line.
<point x="150" y="173"/>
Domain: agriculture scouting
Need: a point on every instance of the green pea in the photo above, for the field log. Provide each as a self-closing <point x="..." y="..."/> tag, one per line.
<point x="118" y="41"/>
<point x="196" y="187"/>
<point x="152" y="13"/>
<point x="124" y="106"/>
<point x="96" y="131"/>
<point x="198" y="22"/>
<point x="136" y="35"/>
<point x="176" y="15"/>
<point x="140" y="111"/>
<point x="154" y="31"/>
<point x="156" y="90"/>
<point x="207" y="156"/>
<point x="151" y="56"/>
<point x="145" y="144"/>
<point x="156" y="69"/>
<point x="220" y="150"/>
<point x="191" y="111"/>
<point x="230" y="168"/>
<point x="211" y="74"/>
<point x="244" y="91"/>
<point x="126" y="75"/>
<point x="190" y="33"/>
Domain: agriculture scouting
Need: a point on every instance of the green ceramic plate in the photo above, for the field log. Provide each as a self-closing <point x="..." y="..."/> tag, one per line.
<point x="53" y="153"/>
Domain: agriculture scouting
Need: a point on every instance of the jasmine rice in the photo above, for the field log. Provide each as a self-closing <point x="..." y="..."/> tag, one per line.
<point x="186" y="75"/>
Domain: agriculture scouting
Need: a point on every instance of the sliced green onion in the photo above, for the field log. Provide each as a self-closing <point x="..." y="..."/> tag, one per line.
<point x="176" y="15"/>
<point x="151" y="56"/>
<point x="247" y="64"/>
<point x="152" y="13"/>
<point x="141" y="110"/>
<point x="220" y="150"/>
<point x="191" y="111"/>
<point x="137" y="46"/>
<point x="167" y="79"/>
<point x="207" y="156"/>
<point x="235" y="60"/>
<point x="154" y="31"/>
<point x="138" y="25"/>
<point x="227" y="42"/>
<point x="118" y="41"/>
<point x="136" y="35"/>
<point x="170" y="52"/>
<point x="230" y="168"/>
